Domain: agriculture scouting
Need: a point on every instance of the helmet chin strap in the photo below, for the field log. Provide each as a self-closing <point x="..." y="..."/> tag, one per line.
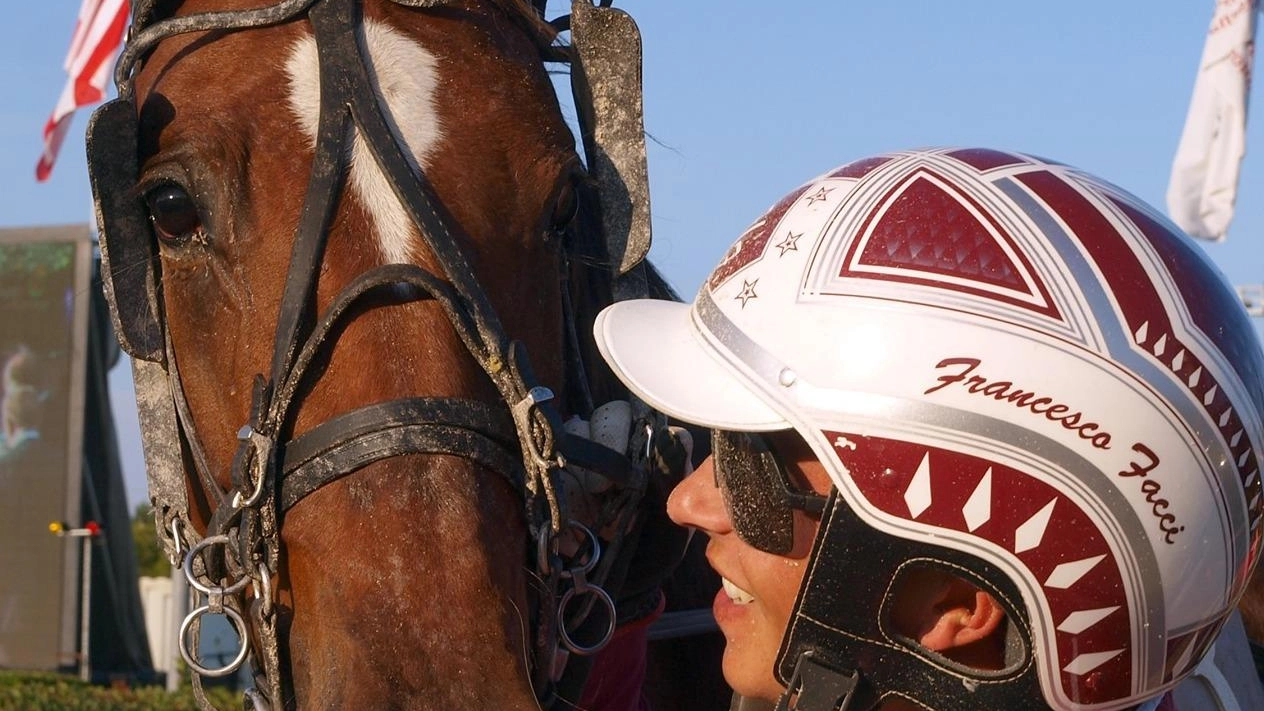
<point x="817" y="686"/>
<point x="842" y="653"/>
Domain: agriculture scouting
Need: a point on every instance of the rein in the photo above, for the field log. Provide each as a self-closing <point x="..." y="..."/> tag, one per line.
<point x="526" y="445"/>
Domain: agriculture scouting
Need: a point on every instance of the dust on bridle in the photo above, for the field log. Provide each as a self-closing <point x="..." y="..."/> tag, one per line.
<point x="525" y="444"/>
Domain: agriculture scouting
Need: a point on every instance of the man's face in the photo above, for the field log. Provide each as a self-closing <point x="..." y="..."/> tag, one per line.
<point x="759" y="591"/>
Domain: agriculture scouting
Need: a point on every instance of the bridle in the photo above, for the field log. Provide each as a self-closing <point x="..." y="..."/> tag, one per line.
<point x="235" y="563"/>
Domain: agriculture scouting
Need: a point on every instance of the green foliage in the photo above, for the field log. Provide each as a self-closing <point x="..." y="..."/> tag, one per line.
<point x="33" y="263"/>
<point x="35" y="691"/>
<point x="37" y="257"/>
<point x="150" y="560"/>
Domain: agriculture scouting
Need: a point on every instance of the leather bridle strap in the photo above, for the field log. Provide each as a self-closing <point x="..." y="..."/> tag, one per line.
<point x="346" y="83"/>
<point x="391" y="429"/>
<point x="423" y="284"/>
<point x="139" y="43"/>
<point x="466" y="428"/>
<point x="271" y="474"/>
<point x="481" y="432"/>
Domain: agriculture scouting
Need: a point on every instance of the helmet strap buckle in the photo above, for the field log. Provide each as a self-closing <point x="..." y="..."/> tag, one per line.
<point x="818" y="687"/>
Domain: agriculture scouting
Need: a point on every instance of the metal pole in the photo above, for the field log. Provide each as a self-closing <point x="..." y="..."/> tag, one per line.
<point x="87" y="533"/>
<point x="85" y="670"/>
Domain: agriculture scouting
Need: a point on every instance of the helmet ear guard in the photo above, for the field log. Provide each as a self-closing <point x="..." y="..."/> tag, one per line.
<point x="834" y="656"/>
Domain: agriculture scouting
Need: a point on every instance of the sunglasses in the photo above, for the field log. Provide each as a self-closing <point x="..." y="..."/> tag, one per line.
<point x="759" y="496"/>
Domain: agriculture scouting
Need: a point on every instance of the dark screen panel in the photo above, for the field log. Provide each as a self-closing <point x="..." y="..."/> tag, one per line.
<point x="41" y="288"/>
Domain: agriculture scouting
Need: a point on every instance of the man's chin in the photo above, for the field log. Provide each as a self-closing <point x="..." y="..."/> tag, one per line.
<point x="748" y="676"/>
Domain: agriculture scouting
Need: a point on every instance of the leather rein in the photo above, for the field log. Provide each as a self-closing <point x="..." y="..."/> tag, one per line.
<point x="270" y="474"/>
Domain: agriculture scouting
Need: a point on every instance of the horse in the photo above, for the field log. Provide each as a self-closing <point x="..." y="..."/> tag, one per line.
<point x="347" y="243"/>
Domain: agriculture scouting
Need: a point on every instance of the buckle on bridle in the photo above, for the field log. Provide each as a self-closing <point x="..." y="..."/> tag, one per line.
<point x="542" y="449"/>
<point x="262" y="446"/>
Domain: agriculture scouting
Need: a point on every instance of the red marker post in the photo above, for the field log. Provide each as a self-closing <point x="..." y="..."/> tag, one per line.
<point x="88" y="532"/>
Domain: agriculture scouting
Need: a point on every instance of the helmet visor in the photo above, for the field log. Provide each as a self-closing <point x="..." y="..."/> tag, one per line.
<point x="758" y="495"/>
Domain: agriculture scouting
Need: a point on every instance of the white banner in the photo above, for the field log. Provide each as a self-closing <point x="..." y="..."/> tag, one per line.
<point x="1204" y="182"/>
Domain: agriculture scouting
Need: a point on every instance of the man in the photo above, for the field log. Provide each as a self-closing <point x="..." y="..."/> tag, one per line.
<point x="987" y="433"/>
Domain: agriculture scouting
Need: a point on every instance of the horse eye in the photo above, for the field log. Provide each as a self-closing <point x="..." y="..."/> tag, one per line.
<point x="565" y="208"/>
<point x="173" y="213"/>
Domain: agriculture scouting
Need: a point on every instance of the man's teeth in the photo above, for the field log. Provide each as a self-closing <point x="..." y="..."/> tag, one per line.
<point x="737" y="594"/>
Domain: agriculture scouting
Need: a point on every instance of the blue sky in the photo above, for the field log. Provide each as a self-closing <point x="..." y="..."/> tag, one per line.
<point x="745" y="100"/>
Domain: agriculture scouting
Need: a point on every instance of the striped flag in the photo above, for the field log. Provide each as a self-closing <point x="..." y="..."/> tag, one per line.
<point x="98" y="34"/>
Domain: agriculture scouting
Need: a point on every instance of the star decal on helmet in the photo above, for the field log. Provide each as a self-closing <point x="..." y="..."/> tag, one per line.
<point x="748" y="292"/>
<point x="820" y="195"/>
<point x="789" y="244"/>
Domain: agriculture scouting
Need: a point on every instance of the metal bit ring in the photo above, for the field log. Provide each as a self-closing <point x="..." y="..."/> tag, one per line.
<point x="564" y="636"/>
<point x="236" y="587"/>
<point x="594" y="555"/>
<point x="238" y="624"/>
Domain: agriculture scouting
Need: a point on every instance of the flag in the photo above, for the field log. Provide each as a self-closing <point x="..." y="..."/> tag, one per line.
<point x="1204" y="182"/>
<point x="98" y="34"/>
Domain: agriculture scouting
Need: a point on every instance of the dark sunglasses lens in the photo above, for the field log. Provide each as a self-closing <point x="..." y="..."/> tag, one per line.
<point x="747" y="473"/>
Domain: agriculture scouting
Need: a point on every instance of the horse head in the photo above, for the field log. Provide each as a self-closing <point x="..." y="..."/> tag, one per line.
<point x="333" y="229"/>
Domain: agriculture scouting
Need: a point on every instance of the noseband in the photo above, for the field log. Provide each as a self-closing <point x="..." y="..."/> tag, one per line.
<point x="270" y="473"/>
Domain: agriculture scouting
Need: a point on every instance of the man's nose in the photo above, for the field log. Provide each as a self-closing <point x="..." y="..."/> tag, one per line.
<point x="697" y="502"/>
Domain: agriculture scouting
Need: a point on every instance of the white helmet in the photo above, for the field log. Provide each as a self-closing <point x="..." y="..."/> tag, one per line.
<point x="1006" y="365"/>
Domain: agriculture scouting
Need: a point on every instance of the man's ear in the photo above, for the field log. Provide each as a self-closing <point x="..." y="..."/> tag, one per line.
<point x="948" y="615"/>
<point x="962" y="616"/>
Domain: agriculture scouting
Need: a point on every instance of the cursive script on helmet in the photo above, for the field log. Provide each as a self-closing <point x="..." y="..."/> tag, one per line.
<point x="1153" y="490"/>
<point x="961" y="371"/>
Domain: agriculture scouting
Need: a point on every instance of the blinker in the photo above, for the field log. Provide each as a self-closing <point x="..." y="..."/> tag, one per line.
<point x="757" y="493"/>
<point x="129" y="265"/>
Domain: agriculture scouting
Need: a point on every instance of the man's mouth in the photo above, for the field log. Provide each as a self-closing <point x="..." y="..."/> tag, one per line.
<point x="736" y="594"/>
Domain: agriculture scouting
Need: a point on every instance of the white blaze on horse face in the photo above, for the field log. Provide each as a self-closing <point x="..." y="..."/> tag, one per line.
<point x="405" y="79"/>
